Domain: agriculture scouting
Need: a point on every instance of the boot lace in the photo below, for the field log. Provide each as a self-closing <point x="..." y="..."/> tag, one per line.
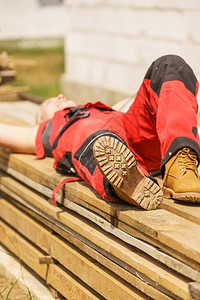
<point x="187" y="159"/>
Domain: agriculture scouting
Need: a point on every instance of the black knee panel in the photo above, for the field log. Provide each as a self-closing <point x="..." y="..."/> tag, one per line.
<point x="168" y="68"/>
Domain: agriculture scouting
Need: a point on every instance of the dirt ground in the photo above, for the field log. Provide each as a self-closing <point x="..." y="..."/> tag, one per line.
<point x="17" y="293"/>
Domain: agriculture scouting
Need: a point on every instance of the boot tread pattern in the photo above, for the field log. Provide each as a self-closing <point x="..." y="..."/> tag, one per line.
<point x="119" y="161"/>
<point x="119" y="167"/>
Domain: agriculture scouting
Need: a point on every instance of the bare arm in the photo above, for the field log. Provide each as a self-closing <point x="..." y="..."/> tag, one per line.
<point x="18" y="138"/>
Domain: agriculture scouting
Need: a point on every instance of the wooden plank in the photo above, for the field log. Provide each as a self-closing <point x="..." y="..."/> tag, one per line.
<point x="41" y="171"/>
<point x="22" y="249"/>
<point x="80" y="192"/>
<point x="155" y="224"/>
<point x="7" y="76"/>
<point x="189" y="211"/>
<point x="89" y="216"/>
<point x="7" y="89"/>
<point x="68" y="285"/>
<point x="48" y="179"/>
<point x="11" y="97"/>
<point x="21" y="193"/>
<point x="89" y="271"/>
<point x="133" y="277"/>
<point x="194" y="289"/>
<point x="141" y="262"/>
<point x="107" y="259"/>
<point x="11" y="94"/>
<point x="171" y="262"/>
<point x="31" y="255"/>
<point x="177" y="233"/>
<point x="31" y="98"/>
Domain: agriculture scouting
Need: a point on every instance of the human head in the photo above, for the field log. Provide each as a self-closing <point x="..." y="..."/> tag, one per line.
<point x="51" y="105"/>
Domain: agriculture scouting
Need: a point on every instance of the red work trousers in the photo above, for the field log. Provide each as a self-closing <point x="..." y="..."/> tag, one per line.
<point x="163" y="116"/>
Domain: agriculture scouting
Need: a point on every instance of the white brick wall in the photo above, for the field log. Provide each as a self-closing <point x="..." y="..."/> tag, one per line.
<point x="28" y="19"/>
<point x="111" y="43"/>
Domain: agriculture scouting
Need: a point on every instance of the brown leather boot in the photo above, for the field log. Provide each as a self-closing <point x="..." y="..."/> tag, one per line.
<point x="181" y="178"/>
<point x="118" y="165"/>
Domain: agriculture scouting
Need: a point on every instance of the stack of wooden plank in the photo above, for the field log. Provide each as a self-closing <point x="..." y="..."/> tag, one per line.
<point x="89" y="248"/>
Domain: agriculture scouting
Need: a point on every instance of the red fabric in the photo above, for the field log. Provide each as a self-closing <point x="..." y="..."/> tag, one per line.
<point x="66" y="180"/>
<point x="152" y="123"/>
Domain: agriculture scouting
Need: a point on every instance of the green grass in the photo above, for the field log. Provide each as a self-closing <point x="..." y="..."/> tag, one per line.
<point x="38" y="66"/>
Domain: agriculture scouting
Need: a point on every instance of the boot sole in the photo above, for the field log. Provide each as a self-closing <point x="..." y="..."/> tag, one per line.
<point x="187" y="197"/>
<point x="118" y="165"/>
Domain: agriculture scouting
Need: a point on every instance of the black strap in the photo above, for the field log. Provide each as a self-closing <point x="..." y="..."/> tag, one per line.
<point x="79" y="113"/>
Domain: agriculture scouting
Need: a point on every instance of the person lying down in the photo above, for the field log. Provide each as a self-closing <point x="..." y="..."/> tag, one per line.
<point x="116" y="152"/>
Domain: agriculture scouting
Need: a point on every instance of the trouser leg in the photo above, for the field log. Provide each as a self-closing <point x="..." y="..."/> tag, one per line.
<point x="163" y="117"/>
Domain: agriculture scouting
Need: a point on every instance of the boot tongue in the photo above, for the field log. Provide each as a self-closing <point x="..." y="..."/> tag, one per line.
<point x="188" y="159"/>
